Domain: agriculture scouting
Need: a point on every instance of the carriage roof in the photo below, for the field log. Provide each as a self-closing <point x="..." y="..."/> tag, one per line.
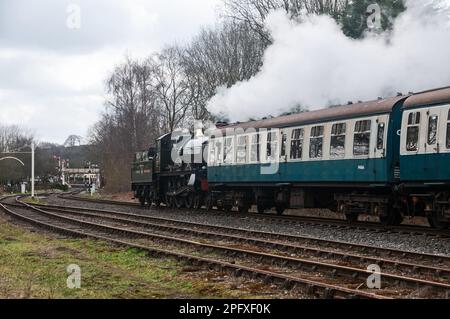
<point x="382" y="106"/>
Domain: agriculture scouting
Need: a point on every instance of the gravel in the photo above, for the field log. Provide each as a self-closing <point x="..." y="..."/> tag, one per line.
<point x="407" y="242"/>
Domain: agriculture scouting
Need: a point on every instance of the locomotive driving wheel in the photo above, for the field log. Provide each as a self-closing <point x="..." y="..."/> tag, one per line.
<point x="157" y="203"/>
<point x="189" y="201"/>
<point x="169" y="201"/>
<point x="179" y="202"/>
<point x="197" y="201"/>
<point x="154" y="200"/>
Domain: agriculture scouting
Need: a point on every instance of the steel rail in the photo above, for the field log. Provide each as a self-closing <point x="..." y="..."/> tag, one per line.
<point x="312" y="287"/>
<point x="247" y="237"/>
<point x="363" y="249"/>
<point x="303" y="264"/>
<point x="314" y="221"/>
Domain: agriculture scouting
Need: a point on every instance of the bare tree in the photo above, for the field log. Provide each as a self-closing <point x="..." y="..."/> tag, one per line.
<point x="254" y="12"/>
<point x="222" y="56"/>
<point x="132" y="103"/>
<point x="131" y="121"/>
<point x="170" y="87"/>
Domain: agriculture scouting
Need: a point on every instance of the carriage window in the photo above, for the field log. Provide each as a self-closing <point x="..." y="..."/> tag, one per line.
<point x="412" y="135"/>
<point x="297" y="143"/>
<point x="380" y="136"/>
<point x="229" y="151"/>
<point x="337" y="147"/>
<point x="241" y="150"/>
<point x="219" y="148"/>
<point x="448" y="130"/>
<point x="254" y="149"/>
<point x="272" y="145"/>
<point x="316" y="142"/>
<point x="361" y="141"/>
<point x="432" y="129"/>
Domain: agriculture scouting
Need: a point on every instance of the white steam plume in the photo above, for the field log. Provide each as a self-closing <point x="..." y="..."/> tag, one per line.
<point x="315" y="65"/>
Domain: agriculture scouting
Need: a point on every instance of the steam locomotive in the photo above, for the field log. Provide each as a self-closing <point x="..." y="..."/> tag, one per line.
<point x="388" y="158"/>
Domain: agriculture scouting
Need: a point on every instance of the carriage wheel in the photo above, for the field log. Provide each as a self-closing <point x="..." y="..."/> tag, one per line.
<point x="228" y="208"/>
<point x="244" y="209"/>
<point x="435" y="222"/>
<point x="394" y="214"/>
<point x="261" y="209"/>
<point x="351" y="217"/>
<point x="280" y="210"/>
<point x="394" y="218"/>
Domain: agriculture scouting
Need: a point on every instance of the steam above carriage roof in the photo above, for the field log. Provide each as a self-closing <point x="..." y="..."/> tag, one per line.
<point x="361" y="109"/>
<point x="430" y="97"/>
<point x="381" y="106"/>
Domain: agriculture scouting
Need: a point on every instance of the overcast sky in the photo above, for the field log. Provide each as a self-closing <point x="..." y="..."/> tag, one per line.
<point x="52" y="73"/>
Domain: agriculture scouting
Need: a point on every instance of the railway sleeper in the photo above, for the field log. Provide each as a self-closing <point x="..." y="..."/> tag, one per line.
<point x="245" y="254"/>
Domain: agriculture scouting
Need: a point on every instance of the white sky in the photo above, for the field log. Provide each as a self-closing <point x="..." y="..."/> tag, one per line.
<point x="52" y="77"/>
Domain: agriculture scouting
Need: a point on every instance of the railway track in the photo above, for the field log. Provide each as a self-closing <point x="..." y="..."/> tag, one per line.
<point x="83" y="229"/>
<point x="298" y="245"/>
<point x="312" y="221"/>
<point x="283" y="258"/>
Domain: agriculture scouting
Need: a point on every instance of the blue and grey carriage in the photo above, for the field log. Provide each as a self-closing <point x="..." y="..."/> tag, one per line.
<point x="387" y="157"/>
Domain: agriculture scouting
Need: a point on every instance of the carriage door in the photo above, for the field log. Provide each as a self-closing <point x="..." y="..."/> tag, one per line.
<point x="432" y="145"/>
<point x="380" y="141"/>
<point x="283" y="146"/>
<point x="284" y="151"/>
<point x="379" y="148"/>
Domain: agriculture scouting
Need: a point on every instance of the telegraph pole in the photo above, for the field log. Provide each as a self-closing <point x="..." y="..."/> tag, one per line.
<point x="32" y="169"/>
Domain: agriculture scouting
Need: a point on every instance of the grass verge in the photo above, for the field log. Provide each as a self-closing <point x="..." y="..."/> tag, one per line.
<point x="34" y="265"/>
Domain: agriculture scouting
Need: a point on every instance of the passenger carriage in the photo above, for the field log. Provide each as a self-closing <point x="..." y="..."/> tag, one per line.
<point x="425" y="155"/>
<point x="340" y="158"/>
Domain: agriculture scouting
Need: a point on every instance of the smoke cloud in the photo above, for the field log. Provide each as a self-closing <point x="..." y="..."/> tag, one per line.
<point x="315" y="65"/>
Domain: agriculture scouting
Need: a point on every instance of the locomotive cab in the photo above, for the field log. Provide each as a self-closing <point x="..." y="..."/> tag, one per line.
<point x="142" y="174"/>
